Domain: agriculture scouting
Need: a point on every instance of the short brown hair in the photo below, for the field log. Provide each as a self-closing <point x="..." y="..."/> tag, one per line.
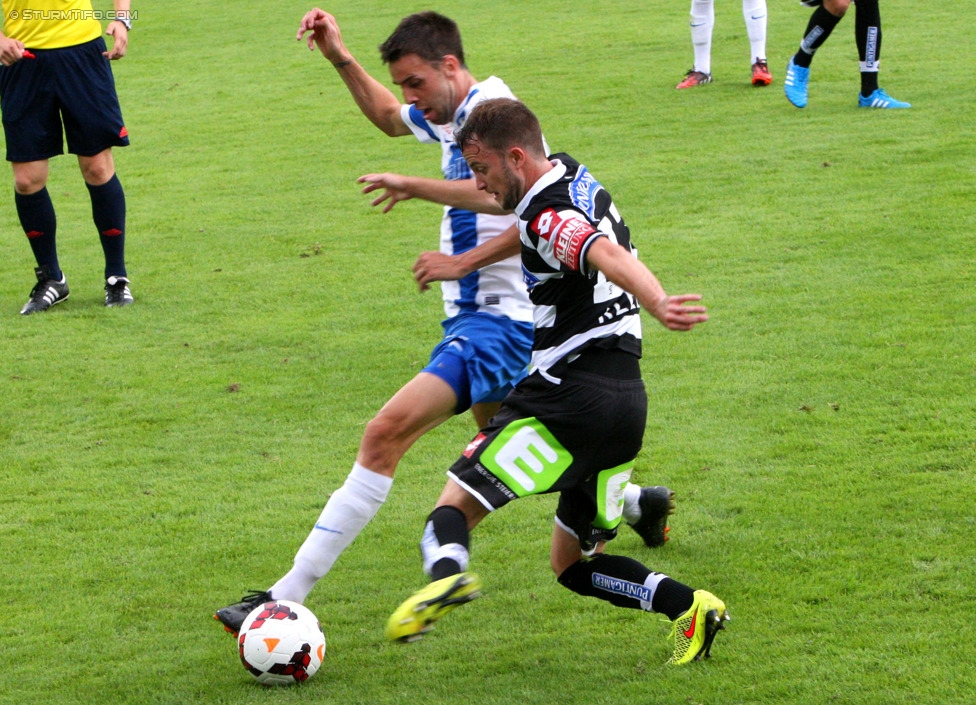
<point x="429" y="35"/>
<point x="501" y="123"/>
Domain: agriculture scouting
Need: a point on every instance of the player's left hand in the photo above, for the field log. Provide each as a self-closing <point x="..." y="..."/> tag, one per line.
<point x="393" y="185"/>
<point x="120" y="37"/>
<point x="436" y="267"/>
<point x="675" y="315"/>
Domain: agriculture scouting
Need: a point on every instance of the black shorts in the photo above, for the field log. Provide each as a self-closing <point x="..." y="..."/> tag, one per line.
<point x="578" y="438"/>
<point x="70" y="89"/>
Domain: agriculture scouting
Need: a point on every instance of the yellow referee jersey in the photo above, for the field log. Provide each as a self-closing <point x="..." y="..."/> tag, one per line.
<point x="50" y="24"/>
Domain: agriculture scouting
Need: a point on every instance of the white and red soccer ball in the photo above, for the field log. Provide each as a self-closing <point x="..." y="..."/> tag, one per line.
<point x="281" y="643"/>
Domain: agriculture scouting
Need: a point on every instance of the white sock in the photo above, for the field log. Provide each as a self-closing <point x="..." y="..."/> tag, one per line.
<point x="653" y="580"/>
<point x="348" y="511"/>
<point x="702" y="22"/>
<point x="632" y="510"/>
<point x="754" y="12"/>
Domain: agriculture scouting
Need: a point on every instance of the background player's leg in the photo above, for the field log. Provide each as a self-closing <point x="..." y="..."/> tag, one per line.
<point x="37" y="217"/>
<point x="819" y="28"/>
<point x="754" y="13"/>
<point x="821" y="24"/>
<point x="619" y="580"/>
<point x="867" y="34"/>
<point x="483" y="411"/>
<point x="108" y="208"/>
<point x="36" y="212"/>
<point x="702" y="23"/>
<point x="702" y="26"/>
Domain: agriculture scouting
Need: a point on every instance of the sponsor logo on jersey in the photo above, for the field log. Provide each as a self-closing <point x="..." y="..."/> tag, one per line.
<point x="494" y="481"/>
<point x="529" y="278"/>
<point x="624" y="305"/>
<point x="583" y="192"/>
<point x="566" y="235"/>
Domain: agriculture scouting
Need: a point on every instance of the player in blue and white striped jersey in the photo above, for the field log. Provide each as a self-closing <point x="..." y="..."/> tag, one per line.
<point x="496" y="288"/>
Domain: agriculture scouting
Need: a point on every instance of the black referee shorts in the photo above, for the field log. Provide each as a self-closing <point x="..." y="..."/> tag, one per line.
<point x="69" y="91"/>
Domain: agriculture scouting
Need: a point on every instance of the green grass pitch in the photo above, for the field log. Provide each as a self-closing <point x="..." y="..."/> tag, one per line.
<point x="159" y="460"/>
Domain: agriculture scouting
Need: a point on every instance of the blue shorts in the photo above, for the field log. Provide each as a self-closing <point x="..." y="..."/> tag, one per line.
<point x="70" y="90"/>
<point x="482" y="357"/>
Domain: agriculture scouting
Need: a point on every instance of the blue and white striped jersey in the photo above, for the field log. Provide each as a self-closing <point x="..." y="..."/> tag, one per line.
<point x="498" y="288"/>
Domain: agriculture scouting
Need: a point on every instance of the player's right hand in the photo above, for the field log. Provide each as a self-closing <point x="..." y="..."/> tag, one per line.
<point x="436" y="267"/>
<point x="323" y="32"/>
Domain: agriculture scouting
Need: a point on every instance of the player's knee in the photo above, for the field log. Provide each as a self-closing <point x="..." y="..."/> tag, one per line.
<point x="98" y="169"/>
<point x="560" y="560"/>
<point x="382" y="430"/>
<point x="838" y="8"/>
<point x="26" y="182"/>
<point x="384" y="442"/>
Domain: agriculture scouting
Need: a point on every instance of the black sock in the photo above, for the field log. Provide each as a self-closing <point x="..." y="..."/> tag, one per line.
<point x="446" y="526"/>
<point x="869" y="82"/>
<point x="620" y="581"/>
<point x="40" y="224"/>
<point x="821" y="24"/>
<point x="108" y="212"/>
<point x="673" y="598"/>
<point x="867" y="33"/>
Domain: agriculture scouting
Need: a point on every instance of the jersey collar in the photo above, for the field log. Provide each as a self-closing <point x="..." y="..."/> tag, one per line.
<point x="550" y="177"/>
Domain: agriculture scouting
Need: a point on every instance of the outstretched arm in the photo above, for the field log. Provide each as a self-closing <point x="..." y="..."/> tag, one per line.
<point x="375" y="100"/>
<point x="462" y="193"/>
<point x="626" y="271"/>
<point x="437" y="267"/>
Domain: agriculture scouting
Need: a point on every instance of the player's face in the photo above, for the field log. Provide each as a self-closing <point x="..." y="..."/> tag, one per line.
<point x="493" y="174"/>
<point x="426" y="86"/>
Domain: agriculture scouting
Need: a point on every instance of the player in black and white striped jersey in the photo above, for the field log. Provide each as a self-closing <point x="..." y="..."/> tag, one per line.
<point x="558" y="228"/>
<point x="575" y="425"/>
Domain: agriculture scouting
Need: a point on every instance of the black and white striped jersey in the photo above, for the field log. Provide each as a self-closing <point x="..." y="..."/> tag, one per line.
<point x="575" y="308"/>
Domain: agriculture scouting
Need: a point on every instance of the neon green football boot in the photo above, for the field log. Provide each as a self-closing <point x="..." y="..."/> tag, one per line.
<point x="694" y="631"/>
<point x="415" y="616"/>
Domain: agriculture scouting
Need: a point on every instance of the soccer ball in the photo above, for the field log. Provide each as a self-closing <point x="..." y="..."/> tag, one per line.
<point x="281" y="643"/>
